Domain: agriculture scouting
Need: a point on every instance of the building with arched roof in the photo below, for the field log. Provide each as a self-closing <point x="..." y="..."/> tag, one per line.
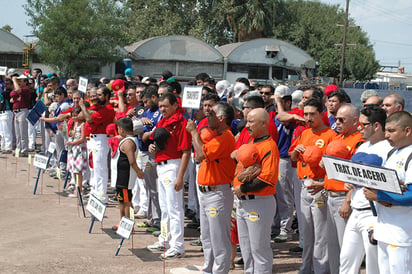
<point x="11" y="50"/>
<point x="266" y="58"/>
<point x="184" y="56"/>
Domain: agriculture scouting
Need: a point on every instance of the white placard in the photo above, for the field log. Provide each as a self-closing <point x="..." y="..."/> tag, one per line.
<point x="40" y="161"/>
<point x="96" y="207"/>
<point x="125" y="227"/>
<point x="361" y="174"/>
<point x="192" y="96"/>
<point x="3" y="70"/>
<point x="52" y="147"/>
<point x="83" y="84"/>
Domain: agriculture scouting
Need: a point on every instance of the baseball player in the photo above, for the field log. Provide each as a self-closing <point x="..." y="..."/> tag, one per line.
<point x="393" y="230"/>
<point x="355" y="237"/>
<point x="256" y="202"/>
<point x="216" y="172"/>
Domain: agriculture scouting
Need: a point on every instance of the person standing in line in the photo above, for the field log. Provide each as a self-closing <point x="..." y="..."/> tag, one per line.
<point x="216" y="172"/>
<point x="256" y="202"/>
<point x="172" y="158"/>
<point x="97" y="118"/>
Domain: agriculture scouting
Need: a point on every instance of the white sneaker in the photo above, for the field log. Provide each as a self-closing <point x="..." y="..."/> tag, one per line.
<point x="141" y="214"/>
<point x="157" y="246"/>
<point x="281" y="238"/>
<point x="72" y="195"/>
<point x="172" y="254"/>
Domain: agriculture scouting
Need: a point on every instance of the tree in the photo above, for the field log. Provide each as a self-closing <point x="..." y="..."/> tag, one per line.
<point x="77" y="37"/>
<point x="7" y="28"/>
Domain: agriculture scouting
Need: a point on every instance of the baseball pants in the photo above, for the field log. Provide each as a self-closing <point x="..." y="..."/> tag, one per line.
<point x="336" y="228"/>
<point x="100" y="174"/>
<point x="356" y="238"/>
<point x="394" y="259"/>
<point x="6" y="126"/>
<point x="150" y="184"/>
<point x="171" y="205"/>
<point x="254" y="220"/>
<point x="21" y="127"/>
<point x="314" y="232"/>
<point x="215" y="212"/>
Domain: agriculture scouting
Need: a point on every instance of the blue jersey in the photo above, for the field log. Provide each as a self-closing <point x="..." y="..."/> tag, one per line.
<point x="285" y="137"/>
<point x="155" y="117"/>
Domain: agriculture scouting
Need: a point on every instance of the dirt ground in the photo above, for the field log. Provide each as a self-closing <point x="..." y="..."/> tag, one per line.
<point x="47" y="233"/>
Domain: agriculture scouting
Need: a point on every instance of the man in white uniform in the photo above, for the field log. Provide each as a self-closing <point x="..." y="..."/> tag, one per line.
<point x="393" y="230"/>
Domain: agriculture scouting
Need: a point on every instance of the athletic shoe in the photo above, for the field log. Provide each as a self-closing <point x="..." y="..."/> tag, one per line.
<point x="152" y="229"/>
<point x="171" y="254"/>
<point x="281" y="238"/>
<point x="72" y="195"/>
<point x="295" y="250"/>
<point x="239" y="263"/>
<point x="143" y="224"/>
<point x="69" y="189"/>
<point x="7" y="152"/>
<point x="156" y="233"/>
<point x="157" y="246"/>
<point x="141" y="214"/>
<point x="196" y="242"/>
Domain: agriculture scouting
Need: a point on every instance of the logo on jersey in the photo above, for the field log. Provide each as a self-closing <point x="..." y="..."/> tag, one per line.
<point x="155" y="114"/>
<point x="212" y="212"/>
<point x="253" y="216"/>
<point x="167" y="181"/>
<point x="140" y="112"/>
<point x="320" y="143"/>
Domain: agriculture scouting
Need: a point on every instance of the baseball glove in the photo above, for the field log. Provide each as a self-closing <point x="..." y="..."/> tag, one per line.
<point x="249" y="173"/>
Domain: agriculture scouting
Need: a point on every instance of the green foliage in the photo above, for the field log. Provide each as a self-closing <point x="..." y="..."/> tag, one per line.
<point x="76" y="37"/>
<point x="7" y="28"/>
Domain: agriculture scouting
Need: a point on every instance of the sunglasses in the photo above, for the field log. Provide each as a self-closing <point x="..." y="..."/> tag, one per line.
<point x="363" y="125"/>
<point x="266" y="93"/>
<point x="245" y="107"/>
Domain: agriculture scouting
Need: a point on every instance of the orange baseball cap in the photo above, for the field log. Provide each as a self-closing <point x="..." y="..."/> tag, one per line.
<point x="247" y="154"/>
<point x="312" y="155"/>
<point x="206" y="134"/>
<point x="338" y="149"/>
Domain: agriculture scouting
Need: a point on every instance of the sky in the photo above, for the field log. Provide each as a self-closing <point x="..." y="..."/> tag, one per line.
<point x="388" y="24"/>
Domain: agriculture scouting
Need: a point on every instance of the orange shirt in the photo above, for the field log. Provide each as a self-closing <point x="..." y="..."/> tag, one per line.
<point x="269" y="160"/>
<point x="218" y="168"/>
<point x="352" y="143"/>
<point x="320" y="139"/>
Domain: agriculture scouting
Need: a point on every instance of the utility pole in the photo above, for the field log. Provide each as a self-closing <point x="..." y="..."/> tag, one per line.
<point x="345" y="29"/>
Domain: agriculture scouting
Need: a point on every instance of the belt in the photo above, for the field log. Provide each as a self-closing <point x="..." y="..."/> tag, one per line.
<point x="337" y="193"/>
<point x="362" y="209"/>
<point x="19" y="109"/>
<point x="247" y="197"/>
<point x="162" y="163"/>
<point x="96" y="135"/>
<point x="207" y="188"/>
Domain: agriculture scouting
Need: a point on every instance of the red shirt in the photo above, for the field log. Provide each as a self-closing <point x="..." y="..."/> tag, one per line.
<point x="202" y="124"/>
<point x="22" y="100"/>
<point x="179" y="140"/>
<point x="103" y="116"/>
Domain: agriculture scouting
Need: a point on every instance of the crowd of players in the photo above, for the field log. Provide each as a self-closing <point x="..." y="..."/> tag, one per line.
<point x="250" y="159"/>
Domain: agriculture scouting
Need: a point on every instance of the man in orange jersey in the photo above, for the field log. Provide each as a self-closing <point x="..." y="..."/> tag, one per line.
<point x="347" y="120"/>
<point x="314" y="212"/>
<point x="215" y="174"/>
<point x="257" y="205"/>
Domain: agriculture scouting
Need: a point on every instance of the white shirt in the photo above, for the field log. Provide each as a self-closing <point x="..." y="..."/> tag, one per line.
<point x="394" y="225"/>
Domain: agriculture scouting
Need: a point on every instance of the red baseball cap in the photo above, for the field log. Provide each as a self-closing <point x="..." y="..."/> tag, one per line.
<point x="329" y="89"/>
<point x="117" y="85"/>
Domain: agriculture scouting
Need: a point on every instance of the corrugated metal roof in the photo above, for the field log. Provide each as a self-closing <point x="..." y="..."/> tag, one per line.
<point x="176" y="48"/>
<point x="10" y="43"/>
<point x="255" y="52"/>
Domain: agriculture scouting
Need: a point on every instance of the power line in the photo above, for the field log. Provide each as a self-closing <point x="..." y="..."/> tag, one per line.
<point x="393" y="43"/>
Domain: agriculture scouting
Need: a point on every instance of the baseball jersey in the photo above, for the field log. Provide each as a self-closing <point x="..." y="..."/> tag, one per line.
<point x="154" y="116"/>
<point x="394" y="225"/>
<point x="352" y="143"/>
<point x="380" y="149"/>
<point x="320" y="139"/>
<point x="269" y="160"/>
<point x="285" y="137"/>
<point x="218" y="167"/>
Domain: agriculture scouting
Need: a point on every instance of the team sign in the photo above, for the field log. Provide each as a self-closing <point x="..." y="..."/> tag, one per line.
<point x="361" y="174"/>
<point x="192" y="95"/>
<point x="96" y="207"/>
<point x="125" y="227"/>
<point x="40" y="161"/>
